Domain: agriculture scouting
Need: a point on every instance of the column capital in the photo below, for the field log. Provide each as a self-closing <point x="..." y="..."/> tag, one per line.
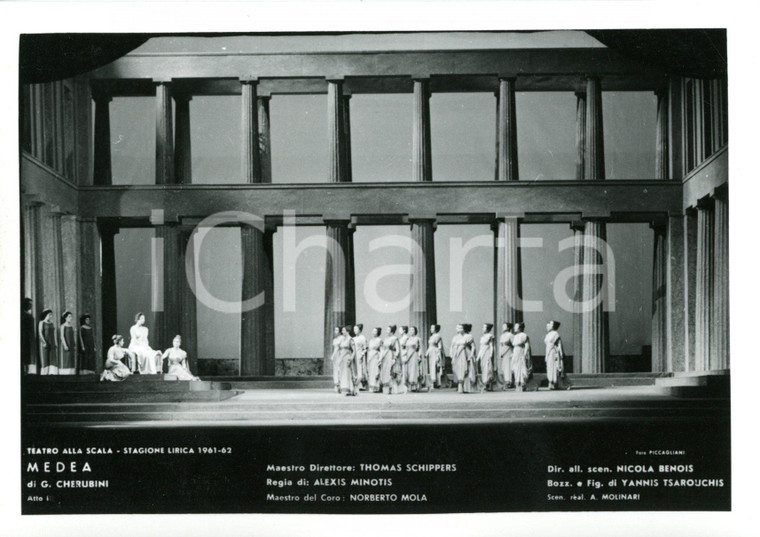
<point x="266" y="96"/>
<point x="162" y="81"/>
<point x="31" y="200"/>
<point x="335" y="79"/>
<point x="577" y="225"/>
<point x="507" y="77"/>
<point x="421" y="77"/>
<point x="502" y="217"/>
<point x="706" y="203"/>
<point x="249" y="79"/>
<point x="101" y="96"/>
<point x="185" y="97"/>
<point x="336" y="220"/>
<point x="721" y="192"/>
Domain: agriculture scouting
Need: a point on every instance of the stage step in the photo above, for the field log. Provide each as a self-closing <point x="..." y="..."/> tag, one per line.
<point x="692" y="384"/>
<point x="303" y="407"/>
<point x="128" y="385"/>
<point x="132" y="397"/>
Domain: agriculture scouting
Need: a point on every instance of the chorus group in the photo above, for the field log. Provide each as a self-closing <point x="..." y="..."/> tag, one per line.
<point x="48" y="349"/>
<point x="397" y="361"/>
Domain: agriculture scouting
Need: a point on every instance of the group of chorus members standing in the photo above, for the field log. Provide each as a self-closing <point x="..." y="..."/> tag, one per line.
<point x="398" y="361"/>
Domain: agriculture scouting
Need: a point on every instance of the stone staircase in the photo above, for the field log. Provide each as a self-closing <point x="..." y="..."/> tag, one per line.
<point x="64" y="389"/>
<point x="708" y="384"/>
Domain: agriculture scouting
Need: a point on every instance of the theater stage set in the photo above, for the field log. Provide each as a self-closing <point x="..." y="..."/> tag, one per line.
<point x="73" y="207"/>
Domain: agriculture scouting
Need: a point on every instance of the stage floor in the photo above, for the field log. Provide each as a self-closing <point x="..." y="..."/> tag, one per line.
<point x="322" y="407"/>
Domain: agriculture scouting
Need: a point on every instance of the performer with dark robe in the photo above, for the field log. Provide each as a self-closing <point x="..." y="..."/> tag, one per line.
<point x="48" y="344"/>
<point x="87" y="351"/>
<point x="28" y="339"/>
<point x="68" y="363"/>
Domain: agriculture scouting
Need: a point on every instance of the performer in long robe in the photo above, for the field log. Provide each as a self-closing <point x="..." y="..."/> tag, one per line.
<point x="470" y="384"/>
<point x="114" y="369"/>
<point x="435" y="357"/>
<point x="48" y="344"/>
<point x="504" y="368"/>
<point x="360" y="365"/>
<point x="555" y="355"/>
<point x="403" y="336"/>
<point x="148" y="360"/>
<point x="485" y="358"/>
<point x="86" y="346"/>
<point x="346" y="363"/>
<point x="334" y="359"/>
<point x="414" y="376"/>
<point x="68" y="362"/>
<point x="373" y="360"/>
<point x="177" y="361"/>
<point x="521" y="357"/>
<point x="390" y="368"/>
<point x="28" y="339"/>
<point x="462" y="353"/>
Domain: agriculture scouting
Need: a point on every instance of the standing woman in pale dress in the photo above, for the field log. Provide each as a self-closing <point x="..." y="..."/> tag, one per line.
<point x="148" y="359"/>
<point x="86" y="346"/>
<point x="470" y="384"/>
<point x="68" y="364"/>
<point x="435" y="357"/>
<point x="373" y="360"/>
<point x="458" y="352"/>
<point x="177" y="360"/>
<point x="48" y="344"/>
<point x="485" y="357"/>
<point x="555" y="355"/>
<point x="521" y="358"/>
<point x="360" y="366"/>
<point x="414" y="375"/>
<point x="334" y="358"/>
<point x="390" y="365"/>
<point x="403" y="336"/>
<point x="347" y="360"/>
<point x="114" y="369"/>
<point x="504" y="362"/>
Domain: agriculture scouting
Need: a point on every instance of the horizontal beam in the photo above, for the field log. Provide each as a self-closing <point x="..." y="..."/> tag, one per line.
<point x="47" y="186"/>
<point x="374" y="85"/>
<point x="388" y="203"/>
<point x="523" y="63"/>
<point x="704" y="180"/>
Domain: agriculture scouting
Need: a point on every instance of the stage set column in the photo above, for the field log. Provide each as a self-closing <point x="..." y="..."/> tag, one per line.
<point x="257" y="323"/>
<point x="182" y="146"/>
<point x="675" y="294"/>
<point x="33" y="258"/>
<point x="704" y="285"/>
<point x="265" y="149"/>
<point x="340" y="295"/>
<point x="58" y="295"/>
<point x="164" y="134"/>
<point x="594" y="320"/>
<point x="661" y="141"/>
<point x="102" y="174"/>
<point x="338" y="139"/>
<point x="594" y="344"/>
<point x="577" y="227"/>
<point x="251" y="154"/>
<point x="90" y="281"/>
<point x="580" y="135"/>
<point x="659" y="299"/>
<point x="422" y="162"/>
<point x="690" y="236"/>
<point x="423" y="290"/>
<point x="508" y="273"/>
<point x="506" y="132"/>
<point x="107" y="230"/>
<point x="720" y="356"/>
<point x="168" y="306"/>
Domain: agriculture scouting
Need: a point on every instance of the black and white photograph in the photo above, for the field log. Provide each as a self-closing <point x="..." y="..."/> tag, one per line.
<point x="397" y="272"/>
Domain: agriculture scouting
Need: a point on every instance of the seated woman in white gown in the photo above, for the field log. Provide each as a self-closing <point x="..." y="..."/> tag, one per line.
<point x="149" y="361"/>
<point x="177" y="360"/>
